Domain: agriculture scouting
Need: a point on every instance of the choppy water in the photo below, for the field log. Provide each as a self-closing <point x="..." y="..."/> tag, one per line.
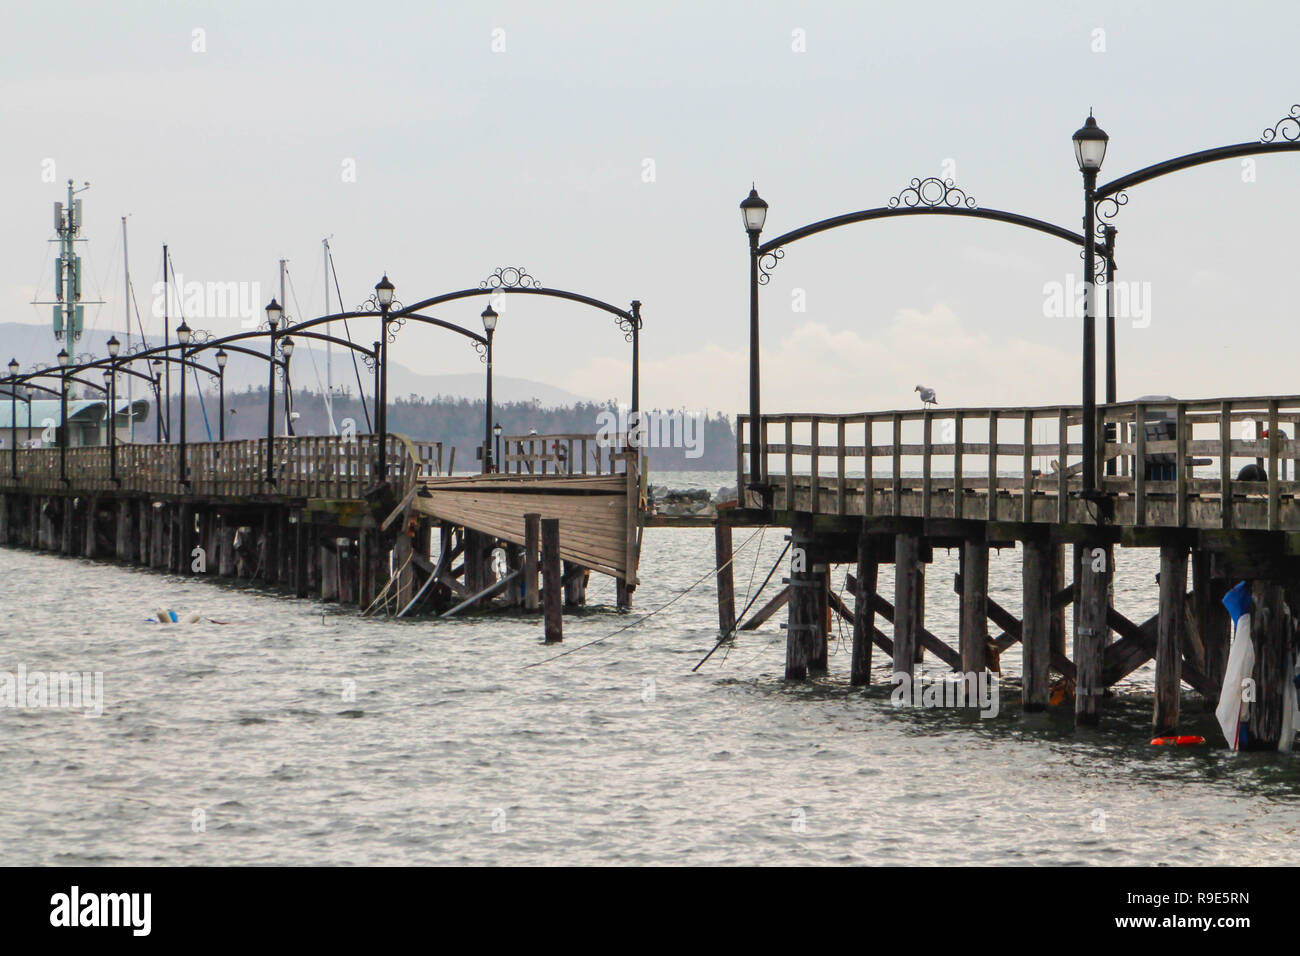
<point x="454" y="752"/>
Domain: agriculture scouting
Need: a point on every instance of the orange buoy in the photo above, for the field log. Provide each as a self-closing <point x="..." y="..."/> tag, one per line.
<point x="1188" y="741"/>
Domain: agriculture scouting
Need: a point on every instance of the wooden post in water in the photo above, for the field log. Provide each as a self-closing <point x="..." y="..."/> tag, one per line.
<point x="67" y="525"/>
<point x="1272" y="631"/>
<point x="1090" y="638"/>
<point x="1170" y="635"/>
<point x="864" y="618"/>
<point x="329" y="569"/>
<point x="1056" y="574"/>
<point x="801" y="609"/>
<point x="551" y="592"/>
<point x="1037" y="575"/>
<point x="124" y="537"/>
<point x="907" y="579"/>
<point x="1213" y="623"/>
<point x="89" y="549"/>
<point x="575" y="584"/>
<point x="974" y="628"/>
<point x="532" y="545"/>
<point x="725" y="578"/>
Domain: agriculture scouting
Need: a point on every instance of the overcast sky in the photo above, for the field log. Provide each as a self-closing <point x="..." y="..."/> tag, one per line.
<point x="605" y="147"/>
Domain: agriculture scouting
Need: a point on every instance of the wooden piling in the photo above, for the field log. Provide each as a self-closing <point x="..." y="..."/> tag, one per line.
<point x="801" y="608"/>
<point x="1089" y="642"/>
<point x="907" y="579"/>
<point x="864" y="618"/>
<point x="1036" y="623"/>
<point x="1212" y="623"/>
<point x="575" y="584"/>
<point x="1169" y="635"/>
<point x="532" y="546"/>
<point x="973" y="633"/>
<point x="725" y="578"/>
<point x="551" y="591"/>
<point x="1272" y="631"/>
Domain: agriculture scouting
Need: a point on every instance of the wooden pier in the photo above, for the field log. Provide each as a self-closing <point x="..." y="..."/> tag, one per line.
<point x="1210" y="483"/>
<point x="420" y="541"/>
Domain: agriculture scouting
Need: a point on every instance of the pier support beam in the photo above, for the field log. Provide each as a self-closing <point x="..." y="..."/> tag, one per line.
<point x="725" y="577"/>
<point x="532" y="546"/>
<point x="864" y="618"/>
<point x="1091" y="631"/>
<point x="1170" y="635"/>
<point x="974" y="630"/>
<point x="908" y="579"/>
<point x="1212" y="623"/>
<point x="1272" y="630"/>
<point x="800" y="619"/>
<point x="1037" y="574"/>
<point x="575" y="584"/>
<point x="552" y="611"/>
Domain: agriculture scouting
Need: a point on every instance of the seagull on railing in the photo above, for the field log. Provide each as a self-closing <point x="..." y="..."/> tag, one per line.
<point x="927" y="395"/>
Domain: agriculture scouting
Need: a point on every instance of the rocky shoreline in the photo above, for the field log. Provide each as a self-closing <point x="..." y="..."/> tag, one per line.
<point x="689" y="502"/>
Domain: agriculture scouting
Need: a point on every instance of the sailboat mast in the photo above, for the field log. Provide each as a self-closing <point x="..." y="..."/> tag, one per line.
<point x="329" y="346"/>
<point x="167" y="366"/>
<point x="126" y="317"/>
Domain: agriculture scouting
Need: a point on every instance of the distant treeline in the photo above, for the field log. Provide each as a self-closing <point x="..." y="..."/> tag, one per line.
<point x="673" y="443"/>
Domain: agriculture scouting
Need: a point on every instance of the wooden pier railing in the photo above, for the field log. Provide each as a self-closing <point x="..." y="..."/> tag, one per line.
<point x="309" y="466"/>
<point x="560" y="454"/>
<point x="1023" y="464"/>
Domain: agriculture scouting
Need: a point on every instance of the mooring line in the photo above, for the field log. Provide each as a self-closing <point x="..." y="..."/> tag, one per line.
<point x="736" y="627"/>
<point x="647" y="617"/>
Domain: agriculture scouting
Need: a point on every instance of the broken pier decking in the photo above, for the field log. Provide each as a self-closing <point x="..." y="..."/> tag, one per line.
<point x="328" y="524"/>
<point x="887" y="488"/>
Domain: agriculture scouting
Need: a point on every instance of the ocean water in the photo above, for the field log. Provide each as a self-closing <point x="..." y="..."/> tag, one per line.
<point x="298" y="733"/>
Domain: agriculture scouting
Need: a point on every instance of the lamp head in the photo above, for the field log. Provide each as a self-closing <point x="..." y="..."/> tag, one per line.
<point x="384" y="291"/>
<point x="754" y="211"/>
<point x="489" y="319"/>
<point x="1090" y="145"/>
<point x="114" y="347"/>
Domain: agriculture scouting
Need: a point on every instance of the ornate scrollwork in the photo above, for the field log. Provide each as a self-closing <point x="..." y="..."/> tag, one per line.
<point x="510" y="277"/>
<point x="932" y="191"/>
<point x="628" y="325"/>
<point x="369" y="361"/>
<point x="372" y="305"/>
<point x="199" y="336"/>
<point x="481" y="349"/>
<point x="766" y="263"/>
<point x="1287" y="128"/>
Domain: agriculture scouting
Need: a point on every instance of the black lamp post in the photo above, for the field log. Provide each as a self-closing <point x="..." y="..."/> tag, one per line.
<point x="183" y="334"/>
<point x="286" y="349"/>
<point x="114" y="348"/>
<point x="222" y="358"/>
<point x="273" y="315"/>
<point x="490" y="327"/>
<point x="754" y="211"/>
<point x="384" y="296"/>
<point x="496" y="431"/>
<point x="1089" y="151"/>
<point x="63" y="415"/>
<point x="157" y="365"/>
<point x="13" y="414"/>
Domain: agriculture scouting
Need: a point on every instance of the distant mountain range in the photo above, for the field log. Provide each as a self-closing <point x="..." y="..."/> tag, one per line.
<point x="34" y="344"/>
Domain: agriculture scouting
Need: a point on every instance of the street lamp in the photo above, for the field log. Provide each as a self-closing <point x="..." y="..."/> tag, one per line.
<point x="384" y="296"/>
<point x="221" y="358"/>
<point x="274" y="313"/>
<point x="157" y="365"/>
<point x="754" y="214"/>
<point x="63" y="415"/>
<point x="13" y="414"/>
<point x="183" y="336"/>
<point x="286" y="349"/>
<point x="1089" y="151"/>
<point x="490" y="327"/>
<point x="496" y="430"/>
<point x="114" y="349"/>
